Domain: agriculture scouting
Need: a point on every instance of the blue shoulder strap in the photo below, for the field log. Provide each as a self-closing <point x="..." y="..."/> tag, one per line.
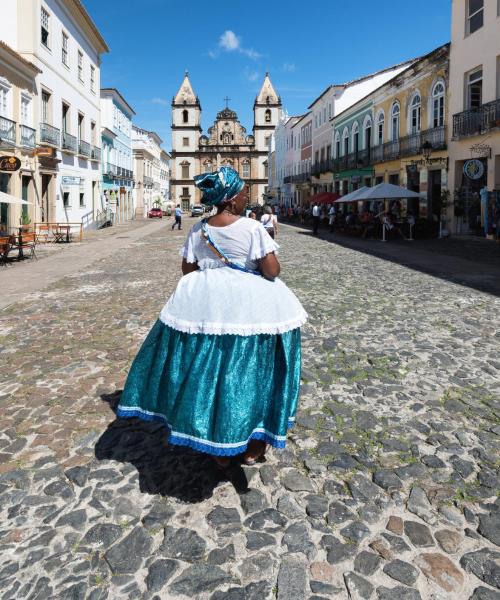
<point x="220" y="254"/>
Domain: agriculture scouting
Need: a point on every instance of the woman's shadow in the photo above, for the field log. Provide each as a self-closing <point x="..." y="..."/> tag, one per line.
<point x="163" y="469"/>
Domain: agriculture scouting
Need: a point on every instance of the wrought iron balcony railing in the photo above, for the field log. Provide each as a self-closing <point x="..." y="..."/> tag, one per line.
<point x="84" y="148"/>
<point x="110" y="170"/>
<point x="28" y="136"/>
<point x="7" y="132"/>
<point x="50" y="135"/>
<point x="148" y="181"/>
<point x="477" y="121"/>
<point x="95" y="153"/>
<point x="68" y="142"/>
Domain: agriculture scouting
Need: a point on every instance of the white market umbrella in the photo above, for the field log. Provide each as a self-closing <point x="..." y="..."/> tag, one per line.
<point x="353" y="196"/>
<point x="386" y="191"/>
<point x="8" y="199"/>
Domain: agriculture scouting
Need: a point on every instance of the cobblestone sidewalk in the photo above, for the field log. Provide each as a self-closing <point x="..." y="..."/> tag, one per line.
<point x="387" y="489"/>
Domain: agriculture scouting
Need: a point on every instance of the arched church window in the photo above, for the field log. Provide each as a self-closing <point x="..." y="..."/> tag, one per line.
<point x="185" y="116"/>
<point x="268" y="115"/>
<point x="208" y="166"/>
<point x="245" y="169"/>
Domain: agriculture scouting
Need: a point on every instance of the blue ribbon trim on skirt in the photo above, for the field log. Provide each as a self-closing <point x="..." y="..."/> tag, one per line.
<point x="201" y="445"/>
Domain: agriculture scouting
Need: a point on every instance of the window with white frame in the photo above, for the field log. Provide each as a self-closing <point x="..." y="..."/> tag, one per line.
<point x="415" y="114"/>
<point x="45" y="107"/>
<point x="345" y="141"/>
<point x="474" y="90"/>
<point x="26" y="110"/>
<point x="246" y="169"/>
<point x="380" y="128"/>
<point x="438" y="105"/>
<point x="5" y="92"/>
<point x="395" y="117"/>
<point x="337" y="145"/>
<point x="92" y="79"/>
<point x="475" y="16"/>
<point x="80" y="65"/>
<point x="64" y="49"/>
<point x="45" y="27"/>
<point x="355" y="137"/>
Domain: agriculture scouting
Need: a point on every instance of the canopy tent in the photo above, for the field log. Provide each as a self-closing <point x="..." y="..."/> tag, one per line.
<point x="8" y="199"/>
<point x="353" y="196"/>
<point x="386" y="191"/>
<point x="323" y="198"/>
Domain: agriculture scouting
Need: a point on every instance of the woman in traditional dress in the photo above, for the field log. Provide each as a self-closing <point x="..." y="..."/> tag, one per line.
<point x="221" y="365"/>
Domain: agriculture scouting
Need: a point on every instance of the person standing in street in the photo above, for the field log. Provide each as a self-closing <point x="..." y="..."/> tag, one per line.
<point x="315" y="217"/>
<point x="178" y="217"/>
<point x="219" y="371"/>
<point x="331" y="218"/>
<point x="270" y="222"/>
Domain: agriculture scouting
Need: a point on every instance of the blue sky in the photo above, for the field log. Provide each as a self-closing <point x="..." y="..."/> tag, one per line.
<point x="228" y="46"/>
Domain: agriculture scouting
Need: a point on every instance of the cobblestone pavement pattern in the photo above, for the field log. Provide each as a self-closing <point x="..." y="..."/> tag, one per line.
<point x="386" y="489"/>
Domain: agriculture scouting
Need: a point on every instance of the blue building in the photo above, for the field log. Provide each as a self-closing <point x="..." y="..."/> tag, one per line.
<point x="117" y="160"/>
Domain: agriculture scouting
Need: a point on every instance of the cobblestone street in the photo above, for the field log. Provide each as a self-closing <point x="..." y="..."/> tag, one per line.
<point x="387" y="488"/>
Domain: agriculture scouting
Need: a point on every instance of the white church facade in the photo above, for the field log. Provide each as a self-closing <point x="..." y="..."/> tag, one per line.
<point x="226" y="143"/>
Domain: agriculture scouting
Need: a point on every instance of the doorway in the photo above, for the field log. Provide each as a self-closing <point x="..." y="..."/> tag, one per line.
<point x="45" y="197"/>
<point x="434" y="195"/>
<point x="4" y="207"/>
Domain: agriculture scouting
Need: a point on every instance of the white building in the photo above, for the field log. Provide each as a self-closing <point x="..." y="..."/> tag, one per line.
<point x="146" y="149"/>
<point x="165" y="177"/>
<point x="60" y="38"/>
<point x="474" y="108"/>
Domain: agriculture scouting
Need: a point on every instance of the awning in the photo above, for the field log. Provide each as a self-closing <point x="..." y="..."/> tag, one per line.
<point x="353" y="196"/>
<point x="323" y="198"/>
<point x="8" y="199"/>
<point x="387" y="191"/>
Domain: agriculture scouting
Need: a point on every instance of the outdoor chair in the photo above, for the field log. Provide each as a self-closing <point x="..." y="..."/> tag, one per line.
<point x="27" y="243"/>
<point x="44" y="233"/>
<point x="4" y="249"/>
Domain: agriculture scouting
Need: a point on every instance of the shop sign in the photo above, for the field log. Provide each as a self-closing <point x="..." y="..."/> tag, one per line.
<point x="474" y="168"/>
<point x="45" y="151"/>
<point x="70" y="180"/>
<point x="9" y="164"/>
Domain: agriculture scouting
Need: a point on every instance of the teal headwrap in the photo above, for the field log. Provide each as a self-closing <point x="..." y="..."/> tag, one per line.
<point x="219" y="186"/>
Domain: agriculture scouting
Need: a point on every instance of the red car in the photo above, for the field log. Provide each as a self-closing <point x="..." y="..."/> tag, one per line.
<point x="155" y="213"/>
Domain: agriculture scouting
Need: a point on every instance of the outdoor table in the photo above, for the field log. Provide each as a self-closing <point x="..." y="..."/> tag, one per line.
<point x="61" y="232"/>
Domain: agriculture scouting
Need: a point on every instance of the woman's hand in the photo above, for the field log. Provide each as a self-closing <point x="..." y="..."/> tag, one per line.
<point x="188" y="267"/>
<point x="269" y="266"/>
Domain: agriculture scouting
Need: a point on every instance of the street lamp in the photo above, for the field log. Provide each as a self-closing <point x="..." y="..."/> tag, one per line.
<point x="426" y="150"/>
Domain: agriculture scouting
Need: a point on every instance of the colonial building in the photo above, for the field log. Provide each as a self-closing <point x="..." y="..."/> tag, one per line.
<point x="146" y="149"/>
<point x="226" y="143"/>
<point x="474" y="121"/>
<point x="18" y="103"/>
<point x="165" y="177"/>
<point x="116" y="153"/>
<point x="60" y="38"/>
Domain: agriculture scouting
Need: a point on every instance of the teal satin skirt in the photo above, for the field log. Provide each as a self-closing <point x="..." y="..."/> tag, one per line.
<point x="216" y="392"/>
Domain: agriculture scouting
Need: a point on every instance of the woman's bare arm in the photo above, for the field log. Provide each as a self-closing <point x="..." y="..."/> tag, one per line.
<point x="188" y="267"/>
<point x="269" y="266"/>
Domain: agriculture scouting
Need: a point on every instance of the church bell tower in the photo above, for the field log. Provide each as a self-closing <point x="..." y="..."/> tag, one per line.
<point x="186" y="131"/>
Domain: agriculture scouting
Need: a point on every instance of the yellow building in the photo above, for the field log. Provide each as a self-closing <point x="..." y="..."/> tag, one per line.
<point x="409" y="141"/>
<point x="18" y="101"/>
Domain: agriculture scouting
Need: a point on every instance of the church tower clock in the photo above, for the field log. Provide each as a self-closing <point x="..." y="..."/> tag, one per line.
<point x="186" y="131"/>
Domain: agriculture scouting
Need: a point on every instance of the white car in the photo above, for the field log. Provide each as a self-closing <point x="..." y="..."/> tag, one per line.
<point x="197" y="210"/>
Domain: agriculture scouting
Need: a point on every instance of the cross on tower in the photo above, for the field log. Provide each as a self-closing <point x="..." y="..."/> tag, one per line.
<point x="226" y="100"/>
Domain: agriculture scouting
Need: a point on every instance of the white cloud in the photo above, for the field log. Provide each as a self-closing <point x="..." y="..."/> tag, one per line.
<point x="250" y="75"/>
<point x="288" y="67"/>
<point x="230" y="42"/>
<point x="160" y="101"/>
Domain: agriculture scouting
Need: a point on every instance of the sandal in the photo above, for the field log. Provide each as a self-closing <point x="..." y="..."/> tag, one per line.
<point x="254" y="452"/>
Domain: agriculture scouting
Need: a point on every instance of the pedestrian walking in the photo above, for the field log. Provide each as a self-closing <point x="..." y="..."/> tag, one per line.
<point x="331" y="218"/>
<point x="178" y="217"/>
<point x="270" y="222"/>
<point x="221" y="365"/>
<point x="315" y="217"/>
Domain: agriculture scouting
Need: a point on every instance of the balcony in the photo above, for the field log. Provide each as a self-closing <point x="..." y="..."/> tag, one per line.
<point x="68" y="142"/>
<point x="84" y="148"/>
<point x="95" y="153"/>
<point x="50" y="135"/>
<point x="110" y="170"/>
<point x="125" y="173"/>
<point x="28" y="136"/>
<point x="322" y="166"/>
<point x="148" y="181"/>
<point x="7" y="132"/>
<point x="477" y="121"/>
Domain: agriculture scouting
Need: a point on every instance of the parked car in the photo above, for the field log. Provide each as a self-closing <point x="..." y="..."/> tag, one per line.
<point x="197" y="210"/>
<point x="155" y="213"/>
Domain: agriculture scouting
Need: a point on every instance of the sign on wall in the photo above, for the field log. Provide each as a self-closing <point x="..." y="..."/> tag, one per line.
<point x="9" y="164"/>
<point x="473" y="168"/>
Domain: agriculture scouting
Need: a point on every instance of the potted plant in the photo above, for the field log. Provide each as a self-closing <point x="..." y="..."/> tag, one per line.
<point x="25" y="222"/>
